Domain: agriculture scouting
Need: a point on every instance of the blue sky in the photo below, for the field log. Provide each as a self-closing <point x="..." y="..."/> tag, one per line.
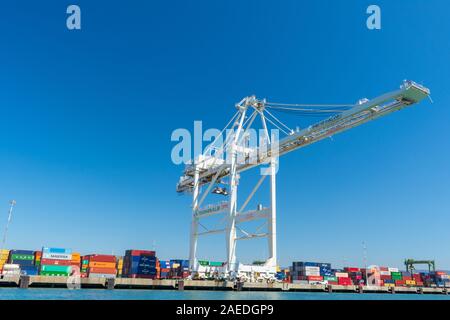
<point x="87" y="117"/>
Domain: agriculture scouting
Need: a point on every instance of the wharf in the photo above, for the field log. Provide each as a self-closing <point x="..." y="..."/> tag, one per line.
<point x="178" y="284"/>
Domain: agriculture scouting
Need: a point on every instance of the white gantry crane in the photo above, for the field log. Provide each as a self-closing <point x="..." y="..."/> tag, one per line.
<point x="228" y="156"/>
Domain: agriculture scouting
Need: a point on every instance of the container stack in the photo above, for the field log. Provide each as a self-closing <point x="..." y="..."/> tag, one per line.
<point x="25" y="260"/>
<point x="442" y="279"/>
<point x="180" y="268"/>
<point x="56" y="262"/>
<point x="417" y="277"/>
<point x="139" y="264"/>
<point x="119" y="266"/>
<point x="37" y="258"/>
<point x="75" y="263"/>
<point x="101" y="266"/>
<point x="84" y="266"/>
<point x="4" y="254"/>
<point x="307" y="272"/>
<point x="343" y="278"/>
<point x="164" y="271"/>
<point x="355" y="274"/>
<point x="11" y="269"/>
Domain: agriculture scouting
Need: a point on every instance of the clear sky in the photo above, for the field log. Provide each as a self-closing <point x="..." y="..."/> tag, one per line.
<point x="86" y="120"/>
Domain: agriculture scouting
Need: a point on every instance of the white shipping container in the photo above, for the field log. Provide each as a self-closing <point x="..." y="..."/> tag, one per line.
<point x="11" y="273"/>
<point x="300" y="281"/>
<point x="341" y="274"/>
<point x="11" y="267"/>
<point x="311" y="269"/>
<point x="57" y="256"/>
<point x="312" y="273"/>
<point x="385" y="273"/>
<point x="393" y="269"/>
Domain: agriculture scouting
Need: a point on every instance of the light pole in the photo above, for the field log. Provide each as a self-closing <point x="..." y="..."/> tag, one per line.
<point x="365" y="261"/>
<point x="12" y="204"/>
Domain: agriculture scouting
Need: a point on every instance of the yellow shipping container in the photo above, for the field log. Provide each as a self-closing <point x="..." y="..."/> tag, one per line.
<point x="389" y="285"/>
<point x="76" y="256"/>
<point x="94" y="264"/>
<point x="4" y="251"/>
<point x="410" y="282"/>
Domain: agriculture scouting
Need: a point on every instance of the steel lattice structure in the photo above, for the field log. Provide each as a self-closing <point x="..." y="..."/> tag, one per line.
<point x="235" y="156"/>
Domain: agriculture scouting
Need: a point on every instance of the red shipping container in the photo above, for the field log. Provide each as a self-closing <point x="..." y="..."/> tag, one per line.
<point x="385" y="277"/>
<point x="406" y="278"/>
<point x="101" y="258"/>
<point x="399" y="283"/>
<point x="333" y="282"/>
<point x="139" y="252"/>
<point x="384" y="269"/>
<point x="345" y="281"/>
<point x="315" y="278"/>
<point x="440" y="273"/>
<point x="351" y="269"/>
<point x="56" y="262"/>
<point x="381" y="283"/>
<point x="419" y="283"/>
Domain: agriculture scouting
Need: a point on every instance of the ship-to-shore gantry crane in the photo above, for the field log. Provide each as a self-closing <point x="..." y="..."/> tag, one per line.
<point x="222" y="163"/>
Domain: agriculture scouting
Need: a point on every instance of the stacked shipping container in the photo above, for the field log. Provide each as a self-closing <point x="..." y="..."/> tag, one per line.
<point x="56" y="262"/>
<point x="4" y="255"/>
<point x="119" y="266"/>
<point x="139" y="264"/>
<point x="164" y="271"/>
<point x="25" y="260"/>
<point x="180" y="268"/>
<point x="100" y="266"/>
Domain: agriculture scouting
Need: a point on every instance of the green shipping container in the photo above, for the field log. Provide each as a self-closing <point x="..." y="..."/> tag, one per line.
<point x="215" y="264"/>
<point x="203" y="262"/>
<point x="54" y="274"/>
<point x="58" y="269"/>
<point x="22" y="257"/>
<point x="330" y="278"/>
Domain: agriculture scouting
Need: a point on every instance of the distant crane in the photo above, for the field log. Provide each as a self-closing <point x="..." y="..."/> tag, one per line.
<point x="12" y="204"/>
<point x="226" y="161"/>
<point x="409" y="264"/>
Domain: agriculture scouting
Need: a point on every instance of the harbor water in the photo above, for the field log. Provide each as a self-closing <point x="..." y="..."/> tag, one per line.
<point x="122" y="294"/>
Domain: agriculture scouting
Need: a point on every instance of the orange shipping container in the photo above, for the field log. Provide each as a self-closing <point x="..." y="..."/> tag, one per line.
<point x="110" y="265"/>
<point x="76" y="255"/>
<point x="103" y="270"/>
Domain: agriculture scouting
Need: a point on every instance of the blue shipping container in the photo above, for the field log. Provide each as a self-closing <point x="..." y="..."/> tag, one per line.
<point x="29" y="270"/>
<point x="56" y="250"/>
<point x="24" y="252"/>
<point x="147" y="259"/>
<point x="23" y="262"/>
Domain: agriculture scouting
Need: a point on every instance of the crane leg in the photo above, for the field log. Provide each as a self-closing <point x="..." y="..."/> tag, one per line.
<point x="194" y="225"/>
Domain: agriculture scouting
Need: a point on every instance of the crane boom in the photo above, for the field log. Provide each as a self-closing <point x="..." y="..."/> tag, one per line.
<point x="408" y="94"/>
